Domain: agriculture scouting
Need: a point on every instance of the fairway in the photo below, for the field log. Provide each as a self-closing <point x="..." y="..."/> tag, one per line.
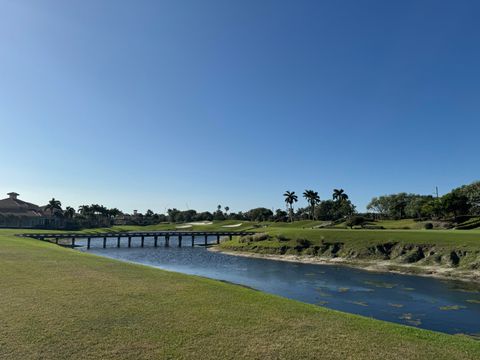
<point x="60" y="303"/>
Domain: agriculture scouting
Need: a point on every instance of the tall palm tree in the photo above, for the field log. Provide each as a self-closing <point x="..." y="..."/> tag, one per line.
<point x="290" y="198"/>
<point x="339" y="195"/>
<point x="69" y="212"/>
<point x="313" y="199"/>
<point x="53" y="205"/>
<point x="226" y="210"/>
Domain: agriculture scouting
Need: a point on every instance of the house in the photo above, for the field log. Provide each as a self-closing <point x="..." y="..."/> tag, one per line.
<point x="18" y="213"/>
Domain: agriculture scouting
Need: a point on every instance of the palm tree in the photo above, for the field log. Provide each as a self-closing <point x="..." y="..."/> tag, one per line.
<point x="339" y="195"/>
<point x="226" y="210"/>
<point x="85" y="210"/>
<point x="313" y="199"/>
<point x="290" y="198"/>
<point x="69" y="212"/>
<point x="53" y="205"/>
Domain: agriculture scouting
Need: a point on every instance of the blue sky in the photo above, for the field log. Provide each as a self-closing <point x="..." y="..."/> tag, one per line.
<point x="190" y="104"/>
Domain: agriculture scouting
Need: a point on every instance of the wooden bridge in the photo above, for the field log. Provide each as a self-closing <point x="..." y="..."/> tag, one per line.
<point x="156" y="235"/>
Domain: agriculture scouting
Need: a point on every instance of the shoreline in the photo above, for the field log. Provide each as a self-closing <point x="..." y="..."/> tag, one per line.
<point x="383" y="266"/>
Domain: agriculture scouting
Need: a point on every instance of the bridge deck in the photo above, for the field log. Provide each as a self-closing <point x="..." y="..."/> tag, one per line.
<point x="137" y="234"/>
<point x="134" y="234"/>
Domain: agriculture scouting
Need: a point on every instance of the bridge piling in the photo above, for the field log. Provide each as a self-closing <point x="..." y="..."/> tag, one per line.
<point x="206" y="240"/>
<point x="155" y="242"/>
<point x="143" y="241"/>
<point x="179" y="240"/>
<point x="88" y="242"/>
<point x="73" y="242"/>
<point x="104" y="242"/>
<point x="129" y="241"/>
<point x="118" y="242"/>
<point x="193" y="240"/>
<point x="167" y="240"/>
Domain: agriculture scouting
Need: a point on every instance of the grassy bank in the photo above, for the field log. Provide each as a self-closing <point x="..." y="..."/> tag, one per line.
<point x="446" y="253"/>
<point x="60" y="303"/>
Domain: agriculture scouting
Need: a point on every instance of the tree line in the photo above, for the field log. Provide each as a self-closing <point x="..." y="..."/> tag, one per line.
<point x="462" y="201"/>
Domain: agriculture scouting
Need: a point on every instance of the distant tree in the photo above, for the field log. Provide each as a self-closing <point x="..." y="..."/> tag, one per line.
<point x="339" y="195"/>
<point x="188" y="215"/>
<point x="149" y="213"/>
<point x="356" y="221"/>
<point x="226" y="210"/>
<point x="455" y="203"/>
<point x="219" y="207"/>
<point x="290" y="199"/>
<point x="85" y="210"/>
<point x="54" y="205"/>
<point x="259" y="214"/>
<point x="280" y="215"/>
<point x="204" y="216"/>
<point x="334" y="210"/>
<point x="69" y="212"/>
<point x="313" y="199"/>
<point x="114" y="212"/>
<point x="173" y="215"/>
<point x="391" y="206"/>
<point x="472" y="194"/>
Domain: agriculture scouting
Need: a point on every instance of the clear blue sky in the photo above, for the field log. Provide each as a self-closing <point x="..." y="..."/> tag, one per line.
<point x="155" y="104"/>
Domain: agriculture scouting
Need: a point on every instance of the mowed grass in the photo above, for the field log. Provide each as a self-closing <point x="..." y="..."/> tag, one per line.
<point x="362" y="238"/>
<point x="58" y="303"/>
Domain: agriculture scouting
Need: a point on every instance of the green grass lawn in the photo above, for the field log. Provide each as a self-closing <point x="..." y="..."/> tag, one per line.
<point x="60" y="303"/>
<point x="459" y="238"/>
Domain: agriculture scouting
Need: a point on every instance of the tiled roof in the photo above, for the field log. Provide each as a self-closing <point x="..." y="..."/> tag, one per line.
<point x="12" y="206"/>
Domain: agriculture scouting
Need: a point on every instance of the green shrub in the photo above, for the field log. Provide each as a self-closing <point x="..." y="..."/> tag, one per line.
<point x="428" y="226"/>
<point x="356" y="221"/>
<point x="260" y="237"/>
<point x="302" y="244"/>
<point x="282" y="238"/>
<point x="253" y="238"/>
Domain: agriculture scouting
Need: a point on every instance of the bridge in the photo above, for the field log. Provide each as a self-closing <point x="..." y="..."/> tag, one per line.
<point x="73" y="238"/>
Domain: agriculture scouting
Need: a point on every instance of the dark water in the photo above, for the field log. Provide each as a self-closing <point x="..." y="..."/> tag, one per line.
<point x="446" y="306"/>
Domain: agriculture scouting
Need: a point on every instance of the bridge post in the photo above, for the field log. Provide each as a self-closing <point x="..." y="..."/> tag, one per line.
<point x="129" y="241"/>
<point x="206" y="239"/>
<point x="179" y="240"/>
<point x="56" y="240"/>
<point x="73" y="242"/>
<point x="193" y="240"/>
<point x="88" y="242"/>
<point x="167" y="240"/>
<point x="230" y="237"/>
<point x="143" y="241"/>
<point x="156" y="241"/>
<point x="218" y="239"/>
<point x="118" y="242"/>
<point x="104" y="242"/>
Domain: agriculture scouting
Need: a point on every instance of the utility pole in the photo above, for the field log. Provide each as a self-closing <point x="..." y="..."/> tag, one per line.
<point x="436" y="191"/>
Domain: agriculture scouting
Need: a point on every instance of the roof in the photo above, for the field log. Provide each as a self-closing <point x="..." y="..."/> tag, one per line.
<point x="13" y="206"/>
